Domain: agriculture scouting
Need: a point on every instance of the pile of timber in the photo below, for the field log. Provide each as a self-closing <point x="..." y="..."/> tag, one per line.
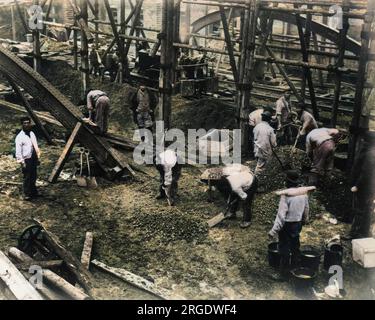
<point x="22" y="277"/>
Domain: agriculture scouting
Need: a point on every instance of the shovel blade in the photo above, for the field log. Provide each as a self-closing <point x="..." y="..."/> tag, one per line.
<point x="216" y="220"/>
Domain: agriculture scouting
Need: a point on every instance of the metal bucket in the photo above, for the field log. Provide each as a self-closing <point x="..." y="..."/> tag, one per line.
<point x="310" y="258"/>
<point x="333" y="254"/>
<point x="303" y="281"/>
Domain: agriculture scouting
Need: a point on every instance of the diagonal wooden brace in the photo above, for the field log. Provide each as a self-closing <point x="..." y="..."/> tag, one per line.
<point x="65" y="154"/>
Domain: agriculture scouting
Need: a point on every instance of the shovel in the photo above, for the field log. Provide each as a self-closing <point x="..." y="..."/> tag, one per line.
<point x="81" y="180"/>
<point x="221" y="216"/>
<point x="90" y="181"/>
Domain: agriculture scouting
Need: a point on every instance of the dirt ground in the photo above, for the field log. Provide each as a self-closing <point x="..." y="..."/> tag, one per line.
<point x="170" y="245"/>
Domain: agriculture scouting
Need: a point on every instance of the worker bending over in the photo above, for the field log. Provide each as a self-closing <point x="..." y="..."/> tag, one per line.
<point x="320" y="147"/>
<point x="170" y="171"/>
<point x="98" y="105"/>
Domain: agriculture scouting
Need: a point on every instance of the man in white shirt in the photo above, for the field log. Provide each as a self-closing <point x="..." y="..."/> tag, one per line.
<point x="28" y="154"/>
<point x="264" y="141"/>
<point x="255" y="118"/>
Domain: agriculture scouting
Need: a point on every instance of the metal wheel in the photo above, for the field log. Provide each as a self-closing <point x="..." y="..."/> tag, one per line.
<point x="32" y="241"/>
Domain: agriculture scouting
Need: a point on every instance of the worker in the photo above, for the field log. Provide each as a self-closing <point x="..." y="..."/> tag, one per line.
<point x="307" y="121"/>
<point x="143" y="99"/>
<point x="264" y="141"/>
<point x="320" y="147"/>
<point x="282" y="113"/>
<point x="98" y="105"/>
<point x="111" y="64"/>
<point x="240" y="188"/>
<point x="28" y="155"/>
<point x="255" y="118"/>
<point x="292" y="213"/>
<point x="95" y="62"/>
<point x="169" y="168"/>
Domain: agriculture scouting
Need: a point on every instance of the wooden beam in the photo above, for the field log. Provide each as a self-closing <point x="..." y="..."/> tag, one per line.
<point x="285" y="75"/>
<point x="135" y="280"/>
<point x="361" y="80"/>
<point x="307" y="71"/>
<point x="137" y="13"/>
<point x="87" y="248"/>
<point x="340" y="63"/>
<point x="65" y="154"/>
<point x="85" y="67"/>
<point x="51" y="277"/>
<point x="22" y="17"/>
<point x="72" y="263"/>
<point x="13" y="279"/>
<point x="29" y="110"/>
<point x="229" y="44"/>
<point x="47" y="15"/>
<point x="43" y="264"/>
<point x="122" y="30"/>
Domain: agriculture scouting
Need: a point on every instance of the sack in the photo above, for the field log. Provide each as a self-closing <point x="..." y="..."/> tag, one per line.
<point x="81" y="180"/>
<point x="90" y="181"/>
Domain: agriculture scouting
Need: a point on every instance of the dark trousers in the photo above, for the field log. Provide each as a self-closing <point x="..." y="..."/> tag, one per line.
<point x="251" y="141"/>
<point x="289" y="244"/>
<point x="248" y="203"/>
<point x="176" y="173"/>
<point x="30" y="176"/>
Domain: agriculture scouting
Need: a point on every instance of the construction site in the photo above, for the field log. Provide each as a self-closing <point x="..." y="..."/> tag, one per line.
<point x="82" y="80"/>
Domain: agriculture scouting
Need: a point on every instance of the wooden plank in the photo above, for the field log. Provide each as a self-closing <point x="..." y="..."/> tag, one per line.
<point x="65" y="154"/>
<point x="87" y="248"/>
<point x="229" y="44"/>
<point x="51" y="277"/>
<point x="216" y="220"/>
<point x="15" y="281"/>
<point x="339" y="63"/>
<point x="72" y="263"/>
<point x="29" y="110"/>
<point x="307" y="71"/>
<point x="42" y="264"/>
<point x="47" y="292"/>
<point x="136" y="281"/>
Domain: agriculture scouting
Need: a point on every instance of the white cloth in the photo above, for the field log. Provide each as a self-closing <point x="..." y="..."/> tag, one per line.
<point x="308" y="122"/>
<point x="25" y="146"/>
<point x="235" y="168"/>
<point x="241" y="182"/>
<point x="317" y="136"/>
<point x="264" y="140"/>
<point x="255" y="117"/>
<point x="168" y="160"/>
